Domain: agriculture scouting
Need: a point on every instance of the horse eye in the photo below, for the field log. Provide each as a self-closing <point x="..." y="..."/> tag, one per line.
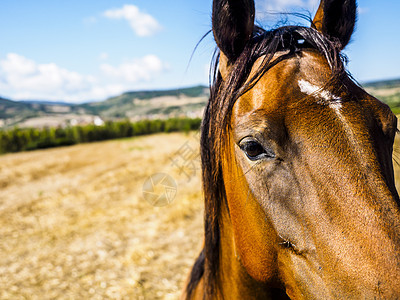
<point x="254" y="150"/>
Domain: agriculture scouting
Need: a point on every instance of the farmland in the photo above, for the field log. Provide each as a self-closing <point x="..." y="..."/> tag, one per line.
<point x="74" y="223"/>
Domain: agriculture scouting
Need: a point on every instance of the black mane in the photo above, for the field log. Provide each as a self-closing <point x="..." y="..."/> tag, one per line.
<point x="223" y="95"/>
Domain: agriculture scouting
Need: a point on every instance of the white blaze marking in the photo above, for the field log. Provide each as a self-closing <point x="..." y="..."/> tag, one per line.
<point x="311" y="89"/>
<point x="332" y="100"/>
<point x="336" y="107"/>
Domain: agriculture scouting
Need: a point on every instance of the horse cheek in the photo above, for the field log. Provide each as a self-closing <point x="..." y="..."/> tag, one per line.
<point x="253" y="244"/>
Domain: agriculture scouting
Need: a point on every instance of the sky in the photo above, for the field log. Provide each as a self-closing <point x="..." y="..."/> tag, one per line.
<point x="79" y="51"/>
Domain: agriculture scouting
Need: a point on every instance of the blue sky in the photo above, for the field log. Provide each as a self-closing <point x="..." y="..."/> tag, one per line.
<point x="80" y="51"/>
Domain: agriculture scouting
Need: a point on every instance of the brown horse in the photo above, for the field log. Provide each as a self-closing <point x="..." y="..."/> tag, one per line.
<point x="300" y="200"/>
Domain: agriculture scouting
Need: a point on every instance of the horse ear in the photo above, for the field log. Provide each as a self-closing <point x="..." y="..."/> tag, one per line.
<point x="233" y="24"/>
<point x="336" y="19"/>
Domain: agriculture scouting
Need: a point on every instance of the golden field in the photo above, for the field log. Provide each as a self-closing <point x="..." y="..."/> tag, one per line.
<point x="74" y="223"/>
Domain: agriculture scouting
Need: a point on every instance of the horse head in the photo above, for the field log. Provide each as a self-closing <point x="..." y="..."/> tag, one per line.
<point x="300" y="199"/>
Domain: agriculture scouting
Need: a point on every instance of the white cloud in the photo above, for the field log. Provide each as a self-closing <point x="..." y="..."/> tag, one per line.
<point x="143" y="69"/>
<point x="142" y="23"/>
<point x="22" y="79"/>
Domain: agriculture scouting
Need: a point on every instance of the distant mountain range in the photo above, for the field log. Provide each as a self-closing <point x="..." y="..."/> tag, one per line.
<point x="188" y="102"/>
<point x="387" y="91"/>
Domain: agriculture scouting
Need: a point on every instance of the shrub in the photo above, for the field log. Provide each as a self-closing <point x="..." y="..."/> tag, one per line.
<point x="21" y="139"/>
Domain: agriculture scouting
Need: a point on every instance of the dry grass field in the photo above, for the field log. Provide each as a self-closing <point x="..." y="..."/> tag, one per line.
<point x="396" y="159"/>
<point x="74" y="223"/>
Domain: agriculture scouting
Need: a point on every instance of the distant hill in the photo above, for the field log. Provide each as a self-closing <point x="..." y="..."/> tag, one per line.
<point x="161" y="104"/>
<point x="9" y="108"/>
<point x="383" y="84"/>
<point x="151" y="104"/>
<point x="46" y="102"/>
<point x="13" y="112"/>
<point x="157" y="104"/>
<point x="16" y="113"/>
<point x="387" y="91"/>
